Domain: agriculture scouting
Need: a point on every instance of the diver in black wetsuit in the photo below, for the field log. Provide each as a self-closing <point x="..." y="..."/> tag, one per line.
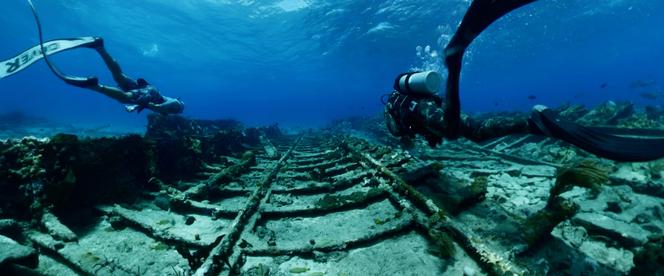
<point x="408" y="114"/>
<point x="135" y="94"/>
<point x="414" y="108"/>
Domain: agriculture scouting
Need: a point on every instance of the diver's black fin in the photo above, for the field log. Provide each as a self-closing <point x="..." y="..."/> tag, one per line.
<point x="598" y="142"/>
<point x="634" y="132"/>
<point x="76" y="81"/>
<point x="479" y="16"/>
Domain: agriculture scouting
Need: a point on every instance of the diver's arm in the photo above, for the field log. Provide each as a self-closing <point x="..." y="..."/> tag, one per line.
<point x="170" y="106"/>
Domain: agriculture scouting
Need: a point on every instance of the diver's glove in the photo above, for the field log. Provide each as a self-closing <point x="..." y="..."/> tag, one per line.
<point x="134" y="107"/>
<point x="396" y="115"/>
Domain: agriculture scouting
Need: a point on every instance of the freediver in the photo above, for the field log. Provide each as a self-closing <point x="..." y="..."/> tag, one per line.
<point x="415" y="108"/>
<point x="137" y="95"/>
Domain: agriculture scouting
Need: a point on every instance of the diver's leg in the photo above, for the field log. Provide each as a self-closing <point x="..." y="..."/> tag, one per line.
<point x="120" y="78"/>
<point x="112" y="92"/>
<point x="478" y="130"/>
<point x="479" y="16"/>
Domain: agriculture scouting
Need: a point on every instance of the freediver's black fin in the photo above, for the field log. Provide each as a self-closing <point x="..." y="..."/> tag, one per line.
<point x="76" y="81"/>
<point x="479" y="16"/>
<point x="599" y="142"/>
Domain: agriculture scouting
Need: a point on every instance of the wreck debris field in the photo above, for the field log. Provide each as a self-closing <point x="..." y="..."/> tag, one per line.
<point x="331" y="137"/>
<point x="214" y="197"/>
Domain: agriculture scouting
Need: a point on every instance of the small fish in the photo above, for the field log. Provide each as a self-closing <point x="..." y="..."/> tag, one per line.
<point x="603" y="85"/>
<point x="642" y="83"/>
<point x="649" y="95"/>
<point x="532" y="97"/>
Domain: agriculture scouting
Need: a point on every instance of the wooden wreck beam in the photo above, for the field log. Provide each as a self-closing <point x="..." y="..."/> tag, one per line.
<point x="231" y="172"/>
<point x="400" y="226"/>
<point x="512" y="158"/>
<point x="236" y="260"/>
<point x="51" y="247"/>
<point x="221" y="253"/>
<point x="150" y="230"/>
<point x="484" y="255"/>
<point x="366" y="199"/>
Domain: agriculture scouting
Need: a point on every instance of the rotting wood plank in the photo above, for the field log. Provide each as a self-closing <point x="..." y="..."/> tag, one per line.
<point x="220" y="253"/>
<point x="482" y="254"/>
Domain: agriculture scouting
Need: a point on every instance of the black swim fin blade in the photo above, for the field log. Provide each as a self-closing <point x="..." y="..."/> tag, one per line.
<point x="594" y="140"/>
<point x="479" y="16"/>
<point x="72" y="80"/>
<point x="81" y="82"/>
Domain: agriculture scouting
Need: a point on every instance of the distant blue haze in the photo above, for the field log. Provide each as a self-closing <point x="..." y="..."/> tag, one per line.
<point x="306" y="62"/>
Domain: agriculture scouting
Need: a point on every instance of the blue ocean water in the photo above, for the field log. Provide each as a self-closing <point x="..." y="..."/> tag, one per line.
<point x="303" y="63"/>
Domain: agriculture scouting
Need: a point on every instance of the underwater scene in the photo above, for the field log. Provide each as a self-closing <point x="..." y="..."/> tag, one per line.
<point x="332" y="137"/>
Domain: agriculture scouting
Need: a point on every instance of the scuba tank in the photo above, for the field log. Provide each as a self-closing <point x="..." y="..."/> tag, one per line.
<point x="411" y="89"/>
<point x="425" y="83"/>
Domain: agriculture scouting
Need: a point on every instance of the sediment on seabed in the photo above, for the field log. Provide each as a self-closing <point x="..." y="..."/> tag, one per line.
<point x="212" y="197"/>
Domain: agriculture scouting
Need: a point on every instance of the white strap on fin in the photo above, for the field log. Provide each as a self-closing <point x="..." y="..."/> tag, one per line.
<point x="28" y="57"/>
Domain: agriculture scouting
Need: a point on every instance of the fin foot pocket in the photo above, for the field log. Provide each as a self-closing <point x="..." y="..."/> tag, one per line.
<point x="98" y="43"/>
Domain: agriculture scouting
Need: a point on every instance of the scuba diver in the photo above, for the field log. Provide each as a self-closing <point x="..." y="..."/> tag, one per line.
<point x="137" y="95"/>
<point x="415" y="108"/>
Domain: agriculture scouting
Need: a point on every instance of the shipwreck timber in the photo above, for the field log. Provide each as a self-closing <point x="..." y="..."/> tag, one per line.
<point x="257" y="202"/>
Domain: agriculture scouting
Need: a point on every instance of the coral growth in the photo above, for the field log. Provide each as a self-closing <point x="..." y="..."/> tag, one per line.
<point x="337" y="201"/>
<point x="93" y="171"/>
<point x="609" y="113"/>
<point x="650" y="258"/>
<point x="586" y="173"/>
<point x="182" y="147"/>
<point x="639" y="121"/>
<point x="539" y="225"/>
<point x="443" y="244"/>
